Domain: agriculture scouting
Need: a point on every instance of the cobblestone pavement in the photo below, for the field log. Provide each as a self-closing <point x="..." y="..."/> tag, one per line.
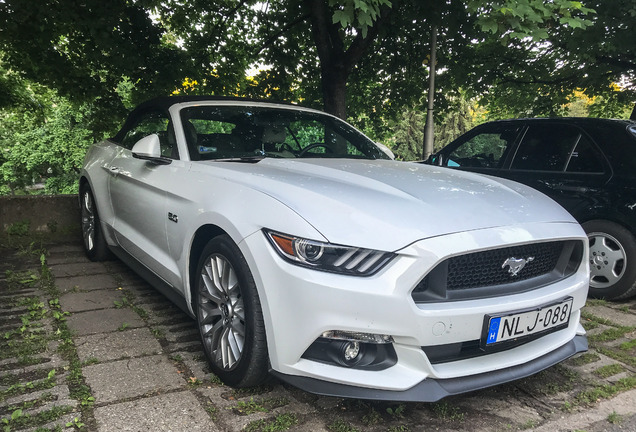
<point x="90" y="346"/>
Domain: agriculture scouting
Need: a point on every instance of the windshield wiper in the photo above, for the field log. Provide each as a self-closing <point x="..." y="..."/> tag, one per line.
<point x="244" y="159"/>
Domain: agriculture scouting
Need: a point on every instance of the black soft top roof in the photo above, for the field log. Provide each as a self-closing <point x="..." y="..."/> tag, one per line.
<point x="165" y="102"/>
<point x="162" y="103"/>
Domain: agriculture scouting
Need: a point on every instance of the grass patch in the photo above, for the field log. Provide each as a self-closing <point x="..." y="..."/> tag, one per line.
<point x="606" y="391"/>
<point x="248" y="391"/>
<point x="46" y="397"/>
<point x="211" y="410"/>
<point x="279" y="423"/>
<point x="398" y="428"/>
<point x="610" y="334"/>
<point x="628" y="346"/>
<point x="596" y="302"/>
<point x="614" y="418"/>
<point x="341" y="426"/>
<point x="584" y="359"/>
<point x="445" y="411"/>
<point x="621" y="356"/>
<point x="264" y="405"/>
<point x="609" y="370"/>
<point x="590" y="325"/>
<point x="551" y="381"/>
<point x="591" y="317"/>
<point x="396" y="412"/>
<point x="248" y="407"/>
<point x="128" y="301"/>
<point x="529" y="424"/>
<point x="20" y="420"/>
<point x="371" y="418"/>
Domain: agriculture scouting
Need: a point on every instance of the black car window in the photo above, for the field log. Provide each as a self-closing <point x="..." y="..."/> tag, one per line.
<point x="149" y="123"/>
<point x="585" y="158"/>
<point x="546" y="147"/>
<point x="486" y="149"/>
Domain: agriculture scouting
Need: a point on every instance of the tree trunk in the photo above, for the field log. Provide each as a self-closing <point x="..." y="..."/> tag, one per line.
<point x="336" y="61"/>
<point x="334" y="90"/>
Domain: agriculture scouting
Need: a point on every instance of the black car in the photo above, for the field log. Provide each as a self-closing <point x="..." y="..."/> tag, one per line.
<point x="587" y="165"/>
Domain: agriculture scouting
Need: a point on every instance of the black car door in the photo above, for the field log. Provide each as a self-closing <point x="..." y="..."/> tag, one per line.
<point x="563" y="162"/>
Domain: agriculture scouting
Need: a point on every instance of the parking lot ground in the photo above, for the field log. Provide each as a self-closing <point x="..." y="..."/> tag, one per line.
<point x="90" y="346"/>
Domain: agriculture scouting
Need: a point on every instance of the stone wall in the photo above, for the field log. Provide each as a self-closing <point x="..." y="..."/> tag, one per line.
<point x="40" y="217"/>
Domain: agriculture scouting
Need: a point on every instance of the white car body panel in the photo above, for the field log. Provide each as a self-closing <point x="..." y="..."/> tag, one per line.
<point x="424" y="214"/>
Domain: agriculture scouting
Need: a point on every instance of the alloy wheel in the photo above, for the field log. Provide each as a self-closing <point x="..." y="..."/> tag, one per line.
<point x="608" y="260"/>
<point x="88" y="221"/>
<point x="221" y="312"/>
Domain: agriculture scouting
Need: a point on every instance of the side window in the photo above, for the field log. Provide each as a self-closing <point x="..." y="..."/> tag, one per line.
<point x="546" y="147"/>
<point x="486" y="150"/>
<point x="157" y="123"/>
<point x="585" y="158"/>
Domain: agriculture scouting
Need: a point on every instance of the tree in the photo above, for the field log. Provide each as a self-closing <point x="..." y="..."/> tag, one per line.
<point x="42" y="141"/>
<point x="84" y="49"/>
<point x="537" y="77"/>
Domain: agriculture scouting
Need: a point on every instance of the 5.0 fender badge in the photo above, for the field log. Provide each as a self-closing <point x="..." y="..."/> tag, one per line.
<point x="516" y="264"/>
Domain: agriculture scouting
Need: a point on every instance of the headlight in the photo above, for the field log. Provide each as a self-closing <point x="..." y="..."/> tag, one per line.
<point x="328" y="257"/>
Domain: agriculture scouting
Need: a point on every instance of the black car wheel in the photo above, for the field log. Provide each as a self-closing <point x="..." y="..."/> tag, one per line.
<point x="612" y="258"/>
<point x="94" y="243"/>
<point x="229" y="316"/>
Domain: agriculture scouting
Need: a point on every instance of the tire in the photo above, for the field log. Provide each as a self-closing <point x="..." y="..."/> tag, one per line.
<point x="612" y="260"/>
<point x="94" y="243"/>
<point x="229" y="315"/>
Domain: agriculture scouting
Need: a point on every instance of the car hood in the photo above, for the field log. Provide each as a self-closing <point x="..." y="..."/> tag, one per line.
<point x="387" y="204"/>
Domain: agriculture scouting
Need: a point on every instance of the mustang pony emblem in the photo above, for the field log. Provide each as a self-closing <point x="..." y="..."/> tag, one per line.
<point x="516" y="264"/>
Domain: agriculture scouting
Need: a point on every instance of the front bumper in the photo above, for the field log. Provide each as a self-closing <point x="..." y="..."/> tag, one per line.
<point x="432" y="390"/>
<point x="299" y="304"/>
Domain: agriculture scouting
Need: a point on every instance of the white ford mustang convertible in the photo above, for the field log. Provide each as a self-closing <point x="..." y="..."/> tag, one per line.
<point x="304" y="251"/>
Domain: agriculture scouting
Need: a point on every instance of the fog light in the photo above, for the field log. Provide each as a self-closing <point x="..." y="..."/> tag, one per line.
<point x="351" y="351"/>
<point x="352" y="354"/>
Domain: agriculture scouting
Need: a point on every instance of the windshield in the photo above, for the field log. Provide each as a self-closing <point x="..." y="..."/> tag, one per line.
<point x="240" y="132"/>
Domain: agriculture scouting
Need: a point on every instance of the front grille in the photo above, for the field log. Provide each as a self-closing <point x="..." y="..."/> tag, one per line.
<point x="490" y="273"/>
<point x="485" y="268"/>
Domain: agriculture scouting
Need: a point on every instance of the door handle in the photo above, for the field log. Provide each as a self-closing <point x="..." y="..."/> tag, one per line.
<point x="570" y="188"/>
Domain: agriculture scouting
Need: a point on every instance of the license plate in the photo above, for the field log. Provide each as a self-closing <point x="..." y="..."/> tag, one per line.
<point x="523" y="324"/>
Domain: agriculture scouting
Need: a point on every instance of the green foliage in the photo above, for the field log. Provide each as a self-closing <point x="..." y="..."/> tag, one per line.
<point x="407" y="135"/>
<point x="526" y="18"/>
<point x="20" y="228"/>
<point x="357" y="13"/>
<point x="43" y="146"/>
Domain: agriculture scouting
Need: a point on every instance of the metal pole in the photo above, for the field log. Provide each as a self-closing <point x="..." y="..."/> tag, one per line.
<point x="429" y="129"/>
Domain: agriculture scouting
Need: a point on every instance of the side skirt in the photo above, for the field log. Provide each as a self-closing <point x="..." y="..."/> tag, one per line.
<point x="149" y="276"/>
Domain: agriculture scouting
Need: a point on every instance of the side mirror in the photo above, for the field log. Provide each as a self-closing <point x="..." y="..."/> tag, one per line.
<point x="149" y="148"/>
<point x="435" y="159"/>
